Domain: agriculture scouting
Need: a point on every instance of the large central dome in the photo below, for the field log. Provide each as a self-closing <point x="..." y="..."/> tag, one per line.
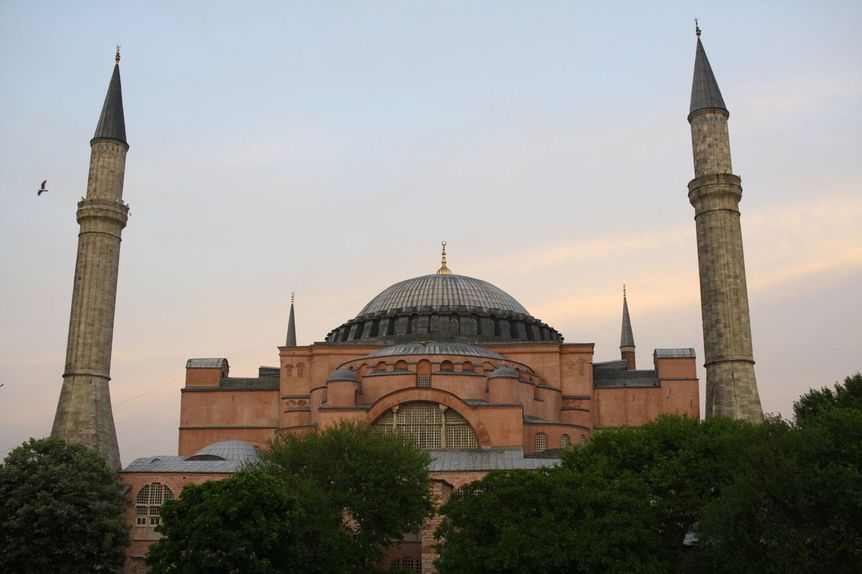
<point x="437" y="291"/>
<point x="443" y="307"/>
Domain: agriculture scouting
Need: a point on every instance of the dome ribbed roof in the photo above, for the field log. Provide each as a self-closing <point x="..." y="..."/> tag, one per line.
<point x="443" y="291"/>
<point x="436" y="348"/>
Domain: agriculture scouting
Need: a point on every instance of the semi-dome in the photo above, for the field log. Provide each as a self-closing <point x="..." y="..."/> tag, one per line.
<point x="443" y="307"/>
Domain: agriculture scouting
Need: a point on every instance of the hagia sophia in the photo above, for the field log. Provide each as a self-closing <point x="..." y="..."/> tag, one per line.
<point x="450" y="360"/>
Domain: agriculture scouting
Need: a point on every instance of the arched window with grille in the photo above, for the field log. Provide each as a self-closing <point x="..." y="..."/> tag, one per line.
<point x="149" y="502"/>
<point x="540" y="442"/>
<point x="565" y="440"/>
<point x="407" y="564"/>
<point x="432" y="426"/>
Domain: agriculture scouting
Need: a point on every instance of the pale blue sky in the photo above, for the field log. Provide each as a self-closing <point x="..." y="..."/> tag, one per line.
<point x="328" y="148"/>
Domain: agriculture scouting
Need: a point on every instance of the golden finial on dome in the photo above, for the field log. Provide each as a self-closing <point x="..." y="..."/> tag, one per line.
<point x="443" y="269"/>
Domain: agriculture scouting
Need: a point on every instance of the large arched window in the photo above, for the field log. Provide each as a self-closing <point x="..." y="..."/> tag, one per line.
<point x="149" y="502"/>
<point x="430" y="425"/>
<point x="565" y="440"/>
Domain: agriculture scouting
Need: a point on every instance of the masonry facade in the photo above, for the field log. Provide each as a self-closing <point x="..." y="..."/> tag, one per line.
<point x="465" y="370"/>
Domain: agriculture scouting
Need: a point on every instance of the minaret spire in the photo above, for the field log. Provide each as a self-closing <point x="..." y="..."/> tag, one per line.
<point x="290" y="341"/>
<point x="627" y="338"/>
<point x="84" y="410"/>
<point x="715" y="192"/>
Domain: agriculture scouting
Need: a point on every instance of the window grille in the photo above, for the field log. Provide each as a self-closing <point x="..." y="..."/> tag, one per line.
<point x="424" y="380"/>
<point x="565" y="440"/>
<point x="582" y="440"/>
<point x="148" y="502"/>
<point x="407" y="564"/>
<point x="429" y="426"/>
<point x="541" y="442"/>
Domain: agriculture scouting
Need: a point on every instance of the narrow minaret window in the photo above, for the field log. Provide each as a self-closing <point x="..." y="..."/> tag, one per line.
<point x="291" y="325"/>
<point x="627" y="338"/>
<point x="84" y="410"/>
<point x="715" y="192"/>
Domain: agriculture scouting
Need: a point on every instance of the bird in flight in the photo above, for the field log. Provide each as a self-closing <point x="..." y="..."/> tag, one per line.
<point x="42" y="189"/>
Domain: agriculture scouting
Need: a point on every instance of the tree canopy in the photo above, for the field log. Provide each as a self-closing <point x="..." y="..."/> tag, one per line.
<point x="551" y="521"/>
<point x="695" y="496"/>
<point x="816" y="401"/>
<point x="378" y="482"/>
<point x="252" y="522"/>
<point x="325" y="501"/>
<point x="61" y="510"/>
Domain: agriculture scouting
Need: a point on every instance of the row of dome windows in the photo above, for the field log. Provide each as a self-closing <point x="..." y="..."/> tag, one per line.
<point x="453" y="325"/>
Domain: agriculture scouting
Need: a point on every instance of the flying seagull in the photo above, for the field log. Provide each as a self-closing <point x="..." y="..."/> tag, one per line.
<point x="42" y="189"/>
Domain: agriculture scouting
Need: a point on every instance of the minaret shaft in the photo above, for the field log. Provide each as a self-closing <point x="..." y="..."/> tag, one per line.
<point x="84" y="411"/>
<point x="731" y="387"/>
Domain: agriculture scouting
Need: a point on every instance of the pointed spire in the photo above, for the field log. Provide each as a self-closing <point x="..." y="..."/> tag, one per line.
<point x="112" y="122"/>
<point x="291" y="326"/>
<point x="443" y="269"/>
<point x="704" y="88"/>
<point x="627" y="338"/>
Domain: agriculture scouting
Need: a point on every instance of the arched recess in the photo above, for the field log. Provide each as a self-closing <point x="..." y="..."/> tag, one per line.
<point x="423" y="373"/>
<point x="446" y="398"/>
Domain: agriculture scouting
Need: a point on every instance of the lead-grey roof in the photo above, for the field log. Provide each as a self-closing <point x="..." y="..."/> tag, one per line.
<point x="491" y="459"/>
<point x="235" y="453"/>
<point x="436" y="348"/>
<point x="504" y="372"/>
<point x="112" y="122"/>
<point x="704" y="88"/>
<point x="443" y="291"/>
<point x="206" y="363"/>
<point x="342" y="374"/>
<point x="675" y="353"/>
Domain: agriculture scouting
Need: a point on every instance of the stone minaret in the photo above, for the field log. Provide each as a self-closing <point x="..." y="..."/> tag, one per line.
<point x="731" y="389"/>
<point x="290" y="340"/>
<point x="84" y="411"/>
<point x="627" y="338"/>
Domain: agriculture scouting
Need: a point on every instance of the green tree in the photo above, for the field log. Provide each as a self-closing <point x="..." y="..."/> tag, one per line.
<point x="377" y="484"/>
<point x="61" y="510"/>
<point x="549" y="521"/>
<point x="795" y="501"/>
<point x="817" y="401"/>
<point x="683" y="462"/>
<point x="253" y="523"/>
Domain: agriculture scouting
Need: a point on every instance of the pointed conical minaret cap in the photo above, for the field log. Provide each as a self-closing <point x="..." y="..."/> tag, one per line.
<point x="704" y="88"/>
<point x="112" y="122"/>
<point x="290" y="341"/>
<point x="627" y="338"/>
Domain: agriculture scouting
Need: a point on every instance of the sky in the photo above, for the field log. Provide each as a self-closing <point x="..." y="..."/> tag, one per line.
<point x="327" y="148"/>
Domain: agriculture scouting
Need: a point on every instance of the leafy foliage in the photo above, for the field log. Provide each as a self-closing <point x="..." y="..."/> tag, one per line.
<point x="817" y="401"/>
<point x="252" y="522"/>
<point x="795" y="502"/>
<point x="683" y="462"/>
<point x="554" y="521"/>
<point x="325" y="501"/>
<point x="61" y="510"/>
<point x="378" y="483"/>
